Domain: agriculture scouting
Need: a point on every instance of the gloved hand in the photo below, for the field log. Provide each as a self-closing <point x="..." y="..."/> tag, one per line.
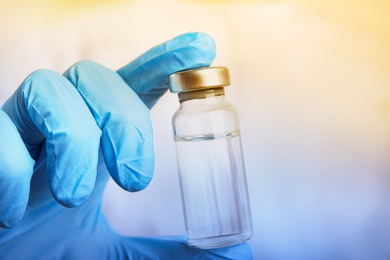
<point x="61" y="136"/>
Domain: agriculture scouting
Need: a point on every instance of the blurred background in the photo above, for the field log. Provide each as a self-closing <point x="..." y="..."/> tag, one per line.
<point x="311" y="83"/>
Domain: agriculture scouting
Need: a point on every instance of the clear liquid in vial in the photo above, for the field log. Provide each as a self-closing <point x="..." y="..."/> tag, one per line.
<point x="213" y="186"/>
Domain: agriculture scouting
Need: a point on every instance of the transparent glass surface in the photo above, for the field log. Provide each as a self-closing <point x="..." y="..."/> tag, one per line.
<point x="212" y="174"/>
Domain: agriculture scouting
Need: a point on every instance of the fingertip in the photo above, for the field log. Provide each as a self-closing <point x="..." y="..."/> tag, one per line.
<point x="186" y="51"/>
<point x="69" y="199"/>
<point x="8" y="224"/>
<point x="13" y="202"/>
<point x="131" y="171"/>
<point x="137" y="175"/>
<point x="72" y="175"/>
<point x="11" y="218"/>
<point x="204" y="48"/>
<point x="72" y="187"/>
<point x="129" y="154"/>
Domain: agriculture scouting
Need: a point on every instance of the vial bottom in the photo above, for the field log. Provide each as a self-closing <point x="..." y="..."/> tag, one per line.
<point x="220" y="241"/>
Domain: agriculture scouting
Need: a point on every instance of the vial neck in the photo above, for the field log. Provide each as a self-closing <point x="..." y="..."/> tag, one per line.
<point x="201" y="94"/>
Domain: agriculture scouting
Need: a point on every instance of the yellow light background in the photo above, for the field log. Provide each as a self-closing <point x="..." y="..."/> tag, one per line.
<point x="311" y="82"/>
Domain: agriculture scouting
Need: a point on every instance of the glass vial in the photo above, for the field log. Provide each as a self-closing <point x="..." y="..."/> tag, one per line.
<point x="210" y="160"/>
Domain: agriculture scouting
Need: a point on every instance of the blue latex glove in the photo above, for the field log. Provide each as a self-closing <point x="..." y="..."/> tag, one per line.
<point x="61" y="136"/>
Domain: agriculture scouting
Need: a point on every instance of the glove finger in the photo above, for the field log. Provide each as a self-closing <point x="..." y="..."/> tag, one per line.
<point x="148" y="74"/>
<point x="127" y="139"/>
<point x="177" y="248"/>
<point x="16" y="169"/>
<point x="47" y="108"/>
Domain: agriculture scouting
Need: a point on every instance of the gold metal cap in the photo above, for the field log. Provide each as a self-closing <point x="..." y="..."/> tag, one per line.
<point x="199" y="79"/>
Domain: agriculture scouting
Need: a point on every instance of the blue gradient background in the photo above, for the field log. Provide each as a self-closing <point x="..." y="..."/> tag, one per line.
<point x="311" y="83"/>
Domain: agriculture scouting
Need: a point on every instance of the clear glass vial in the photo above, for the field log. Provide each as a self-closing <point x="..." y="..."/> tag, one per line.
<point x="210" y="160"/>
